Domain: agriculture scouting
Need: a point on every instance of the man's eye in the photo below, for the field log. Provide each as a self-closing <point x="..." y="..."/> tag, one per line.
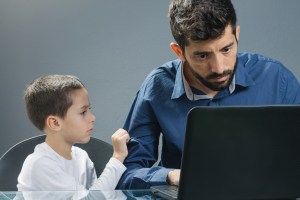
<point x="202" y="56"/>
<point x="82" y="113"/>
<point x="225" y="50"/>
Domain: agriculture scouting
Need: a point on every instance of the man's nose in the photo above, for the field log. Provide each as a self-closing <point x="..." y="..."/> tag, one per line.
<point x="217" y="64"/>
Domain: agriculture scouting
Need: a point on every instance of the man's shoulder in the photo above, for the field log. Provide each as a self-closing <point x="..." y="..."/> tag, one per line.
<point x="168" y="68"/>
<point x="262" y="67"/>
<point x="253" y="59"/>
<point x="161" y="79"/>
<point x="165" y="72"/>
<point x="257" y="63"/>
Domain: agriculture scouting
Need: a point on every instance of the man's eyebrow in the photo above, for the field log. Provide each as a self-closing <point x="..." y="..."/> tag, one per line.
<point x="207" y="52"/>
<point x="201" y="52"/>
<point x="229" y="45"/>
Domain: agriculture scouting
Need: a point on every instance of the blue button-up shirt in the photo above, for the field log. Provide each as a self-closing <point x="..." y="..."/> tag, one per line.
<point x="163" y="101"/>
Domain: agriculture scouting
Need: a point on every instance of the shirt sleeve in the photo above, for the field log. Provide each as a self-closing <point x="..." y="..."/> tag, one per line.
<point x="290" y="88"/>
<point x="144" y="131"/>
<point x="110" y="176"/>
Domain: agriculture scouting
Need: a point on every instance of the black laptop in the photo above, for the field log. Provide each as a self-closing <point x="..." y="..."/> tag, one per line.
<point x="250" y="152"/>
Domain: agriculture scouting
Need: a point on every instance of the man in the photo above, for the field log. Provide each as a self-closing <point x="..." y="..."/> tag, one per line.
<point x="209" y="72"/>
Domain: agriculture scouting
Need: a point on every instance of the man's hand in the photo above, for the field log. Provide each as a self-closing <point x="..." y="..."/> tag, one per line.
<point x="173" y="177"/>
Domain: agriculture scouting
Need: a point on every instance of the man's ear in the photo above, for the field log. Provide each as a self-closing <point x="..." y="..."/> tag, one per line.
<point x="53" y="123"/>
<point x="177" y="50"/>
<point x="237" y="32"/>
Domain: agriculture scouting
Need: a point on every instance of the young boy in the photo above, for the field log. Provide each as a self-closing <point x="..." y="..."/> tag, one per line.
<point x="59" y="105"/>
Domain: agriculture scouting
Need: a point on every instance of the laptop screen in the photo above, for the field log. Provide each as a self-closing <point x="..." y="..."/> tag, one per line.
<point x="246" y="152"/>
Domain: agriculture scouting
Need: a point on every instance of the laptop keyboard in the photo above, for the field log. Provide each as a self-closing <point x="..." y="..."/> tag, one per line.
<point x="165" y="191"/>
<point x="173" y="190"/>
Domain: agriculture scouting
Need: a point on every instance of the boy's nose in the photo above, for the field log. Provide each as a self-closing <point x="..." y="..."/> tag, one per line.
<point x="93" y="117"/>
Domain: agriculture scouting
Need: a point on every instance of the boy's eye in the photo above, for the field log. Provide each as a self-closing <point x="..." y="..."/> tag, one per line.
<point x="86" y="109"/>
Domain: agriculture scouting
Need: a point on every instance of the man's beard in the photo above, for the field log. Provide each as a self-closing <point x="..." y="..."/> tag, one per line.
<point x="210" y="85"/>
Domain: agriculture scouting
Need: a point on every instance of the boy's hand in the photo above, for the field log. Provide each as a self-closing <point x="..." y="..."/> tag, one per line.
<point x="119" y="141"/>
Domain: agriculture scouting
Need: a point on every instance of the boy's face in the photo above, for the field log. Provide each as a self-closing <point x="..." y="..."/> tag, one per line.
<point x="77" y="126"/>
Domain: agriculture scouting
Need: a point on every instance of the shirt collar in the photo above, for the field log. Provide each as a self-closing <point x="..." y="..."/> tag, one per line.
<point x="178" y="90"/>
<point x="181" y="86"/>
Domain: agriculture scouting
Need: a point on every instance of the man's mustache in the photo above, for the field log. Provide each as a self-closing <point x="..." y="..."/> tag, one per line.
<point x="216" y="75"/>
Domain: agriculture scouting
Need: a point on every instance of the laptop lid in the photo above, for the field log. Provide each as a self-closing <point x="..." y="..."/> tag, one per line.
<point x="247" y="152"/>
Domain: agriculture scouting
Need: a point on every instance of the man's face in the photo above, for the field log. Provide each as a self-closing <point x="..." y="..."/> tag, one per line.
<point x="210" y="65"/>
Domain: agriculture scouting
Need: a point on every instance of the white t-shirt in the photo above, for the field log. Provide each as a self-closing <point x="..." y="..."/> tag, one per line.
<point x="46" y="170"/>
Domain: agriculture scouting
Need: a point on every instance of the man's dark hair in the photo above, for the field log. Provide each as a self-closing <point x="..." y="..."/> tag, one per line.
<point x="200" y="19"/>
<point x="49" y="95"/>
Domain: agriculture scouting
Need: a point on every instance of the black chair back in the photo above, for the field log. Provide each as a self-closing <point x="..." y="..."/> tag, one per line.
<point x="11" y="162"/>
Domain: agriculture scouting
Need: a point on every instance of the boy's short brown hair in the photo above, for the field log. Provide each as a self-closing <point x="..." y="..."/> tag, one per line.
<point x="50" y="95"/>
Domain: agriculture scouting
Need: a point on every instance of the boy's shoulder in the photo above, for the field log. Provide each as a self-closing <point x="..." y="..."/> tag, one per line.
<point x="44" y="156"/>
<point x="40" y="154"/>
<point x="79" y="153"/>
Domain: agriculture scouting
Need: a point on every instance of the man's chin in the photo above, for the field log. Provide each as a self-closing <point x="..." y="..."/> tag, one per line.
<point x="218" y="87"/>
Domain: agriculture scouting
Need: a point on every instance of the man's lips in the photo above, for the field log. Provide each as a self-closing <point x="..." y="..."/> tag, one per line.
<point x="219" y="79"/>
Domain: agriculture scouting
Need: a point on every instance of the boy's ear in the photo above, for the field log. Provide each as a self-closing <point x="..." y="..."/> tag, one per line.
<point x="53" y="123"/>
<point x="177" y="50"/>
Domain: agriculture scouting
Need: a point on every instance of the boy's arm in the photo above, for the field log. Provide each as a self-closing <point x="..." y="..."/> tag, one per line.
<point x="110" y="176"/>
<point x="114" y="169"/>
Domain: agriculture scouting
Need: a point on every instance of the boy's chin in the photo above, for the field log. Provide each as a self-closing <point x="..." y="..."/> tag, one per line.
<point x="84" y="140"/>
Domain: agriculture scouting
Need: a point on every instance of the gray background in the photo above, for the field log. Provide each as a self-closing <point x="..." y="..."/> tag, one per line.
<point x="111" y="46"/>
